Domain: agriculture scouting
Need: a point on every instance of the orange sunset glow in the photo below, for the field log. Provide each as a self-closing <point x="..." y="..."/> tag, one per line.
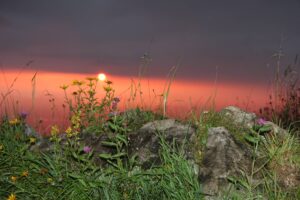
<point x="184" y="95"/>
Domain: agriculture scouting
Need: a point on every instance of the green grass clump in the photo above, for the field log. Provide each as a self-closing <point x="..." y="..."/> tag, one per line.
<point x="71" y="175"/>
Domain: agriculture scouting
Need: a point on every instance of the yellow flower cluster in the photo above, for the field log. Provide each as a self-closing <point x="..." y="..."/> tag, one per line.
<point x="73" y="130"/>
<point x="54" y="133"/>
<point x="14" y="121"/>
<point x="69" y="132"/>
<point x="78" y="83"/>
<point x="32" y="140"/>
<point x="25" y="173"/>
<point x="12" y="197"/>
<point x="13" y="179"/>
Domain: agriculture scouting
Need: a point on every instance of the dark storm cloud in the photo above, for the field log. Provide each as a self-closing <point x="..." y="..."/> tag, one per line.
<point x="84" y="36"/>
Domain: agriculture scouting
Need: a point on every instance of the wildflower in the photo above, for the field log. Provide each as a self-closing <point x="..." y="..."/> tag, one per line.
<point x="14" y="121"/>
<point x="13" y="179"/>
<point x="49" y="180"/>
<point x="54" y="133"/>
<point x="64" y="87"/>
<point x="75" y="120"/>
<point x="32" y="140"/>
<point x="12" y="197"/>
<point x="107" y="88"/>
<point x="108" y="82"/>
<point x="91" y="79"/>
<point x="261" y="121"/>
<point x="78" y="83"/>
<point x="69" y="132"/>
<point x="87" y="149"/>
<point x="23" y="115"/>
<point x="54" y="130"/>
<point x="25" y="173"/>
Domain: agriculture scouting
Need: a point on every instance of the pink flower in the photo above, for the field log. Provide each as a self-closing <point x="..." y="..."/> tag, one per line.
<point x="87" y="149"/>
<point x="261" y="121"/>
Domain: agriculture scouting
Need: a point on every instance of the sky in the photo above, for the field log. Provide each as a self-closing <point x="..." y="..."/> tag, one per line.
<point x="234" y="39"/>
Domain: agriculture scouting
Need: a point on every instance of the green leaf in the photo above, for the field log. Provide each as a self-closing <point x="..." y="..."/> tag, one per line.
<point x="118" y="155"/>
<point x="112" y="126"/>
<point x="122" y="138"/>
<point x="266" y="128"/>
<point x="82" y="182"/>
<point x="105" y="156"/>
<point x="251" y="139"/>
<point x="110" y="144"/>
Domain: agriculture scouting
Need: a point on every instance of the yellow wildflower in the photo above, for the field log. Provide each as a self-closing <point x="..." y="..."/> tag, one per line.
<point x="107" y="88"/>
<point x="91" y="78"/>
<point x="32" y="140"/>
<point x="12" y="197"/>
<point x="14" y="121"/>
<point x="13" y="179"/>
<point x="25" y="173"/>
<point x="69" y="132"/>
<point x="64" y="87"/>
<point x="76" y="82"/>
<point x="54" y="130"/>
<point x="75" y="120"/>
<point x="54" y="133"/>
<point x="49" y="180"/>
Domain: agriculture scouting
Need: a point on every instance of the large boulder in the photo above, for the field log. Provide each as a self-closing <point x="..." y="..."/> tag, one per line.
<point x="224" y="157"/>
<point x="240" y="117"/>
<point x="145" y="143"/>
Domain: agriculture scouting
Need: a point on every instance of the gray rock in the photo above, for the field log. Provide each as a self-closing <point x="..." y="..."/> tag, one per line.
<point x="29" y="131"/>
<point x="43" y="145"/>
<point x="277" y="131"/>
<point x="145" y="143"/>
<point x="224" y="157"/>
<point x="239" y="116"/>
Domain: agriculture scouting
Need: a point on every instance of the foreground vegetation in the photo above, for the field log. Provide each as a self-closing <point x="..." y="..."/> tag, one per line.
<point x="69" y="172"/>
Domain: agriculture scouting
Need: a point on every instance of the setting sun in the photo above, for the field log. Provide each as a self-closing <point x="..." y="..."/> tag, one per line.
<point x="102" y="77"/>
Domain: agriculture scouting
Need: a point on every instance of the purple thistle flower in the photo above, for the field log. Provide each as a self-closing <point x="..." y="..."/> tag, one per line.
<point x="23" y="115"/>
<point x="261" y="121"/>
<point x="87" y="149"/>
